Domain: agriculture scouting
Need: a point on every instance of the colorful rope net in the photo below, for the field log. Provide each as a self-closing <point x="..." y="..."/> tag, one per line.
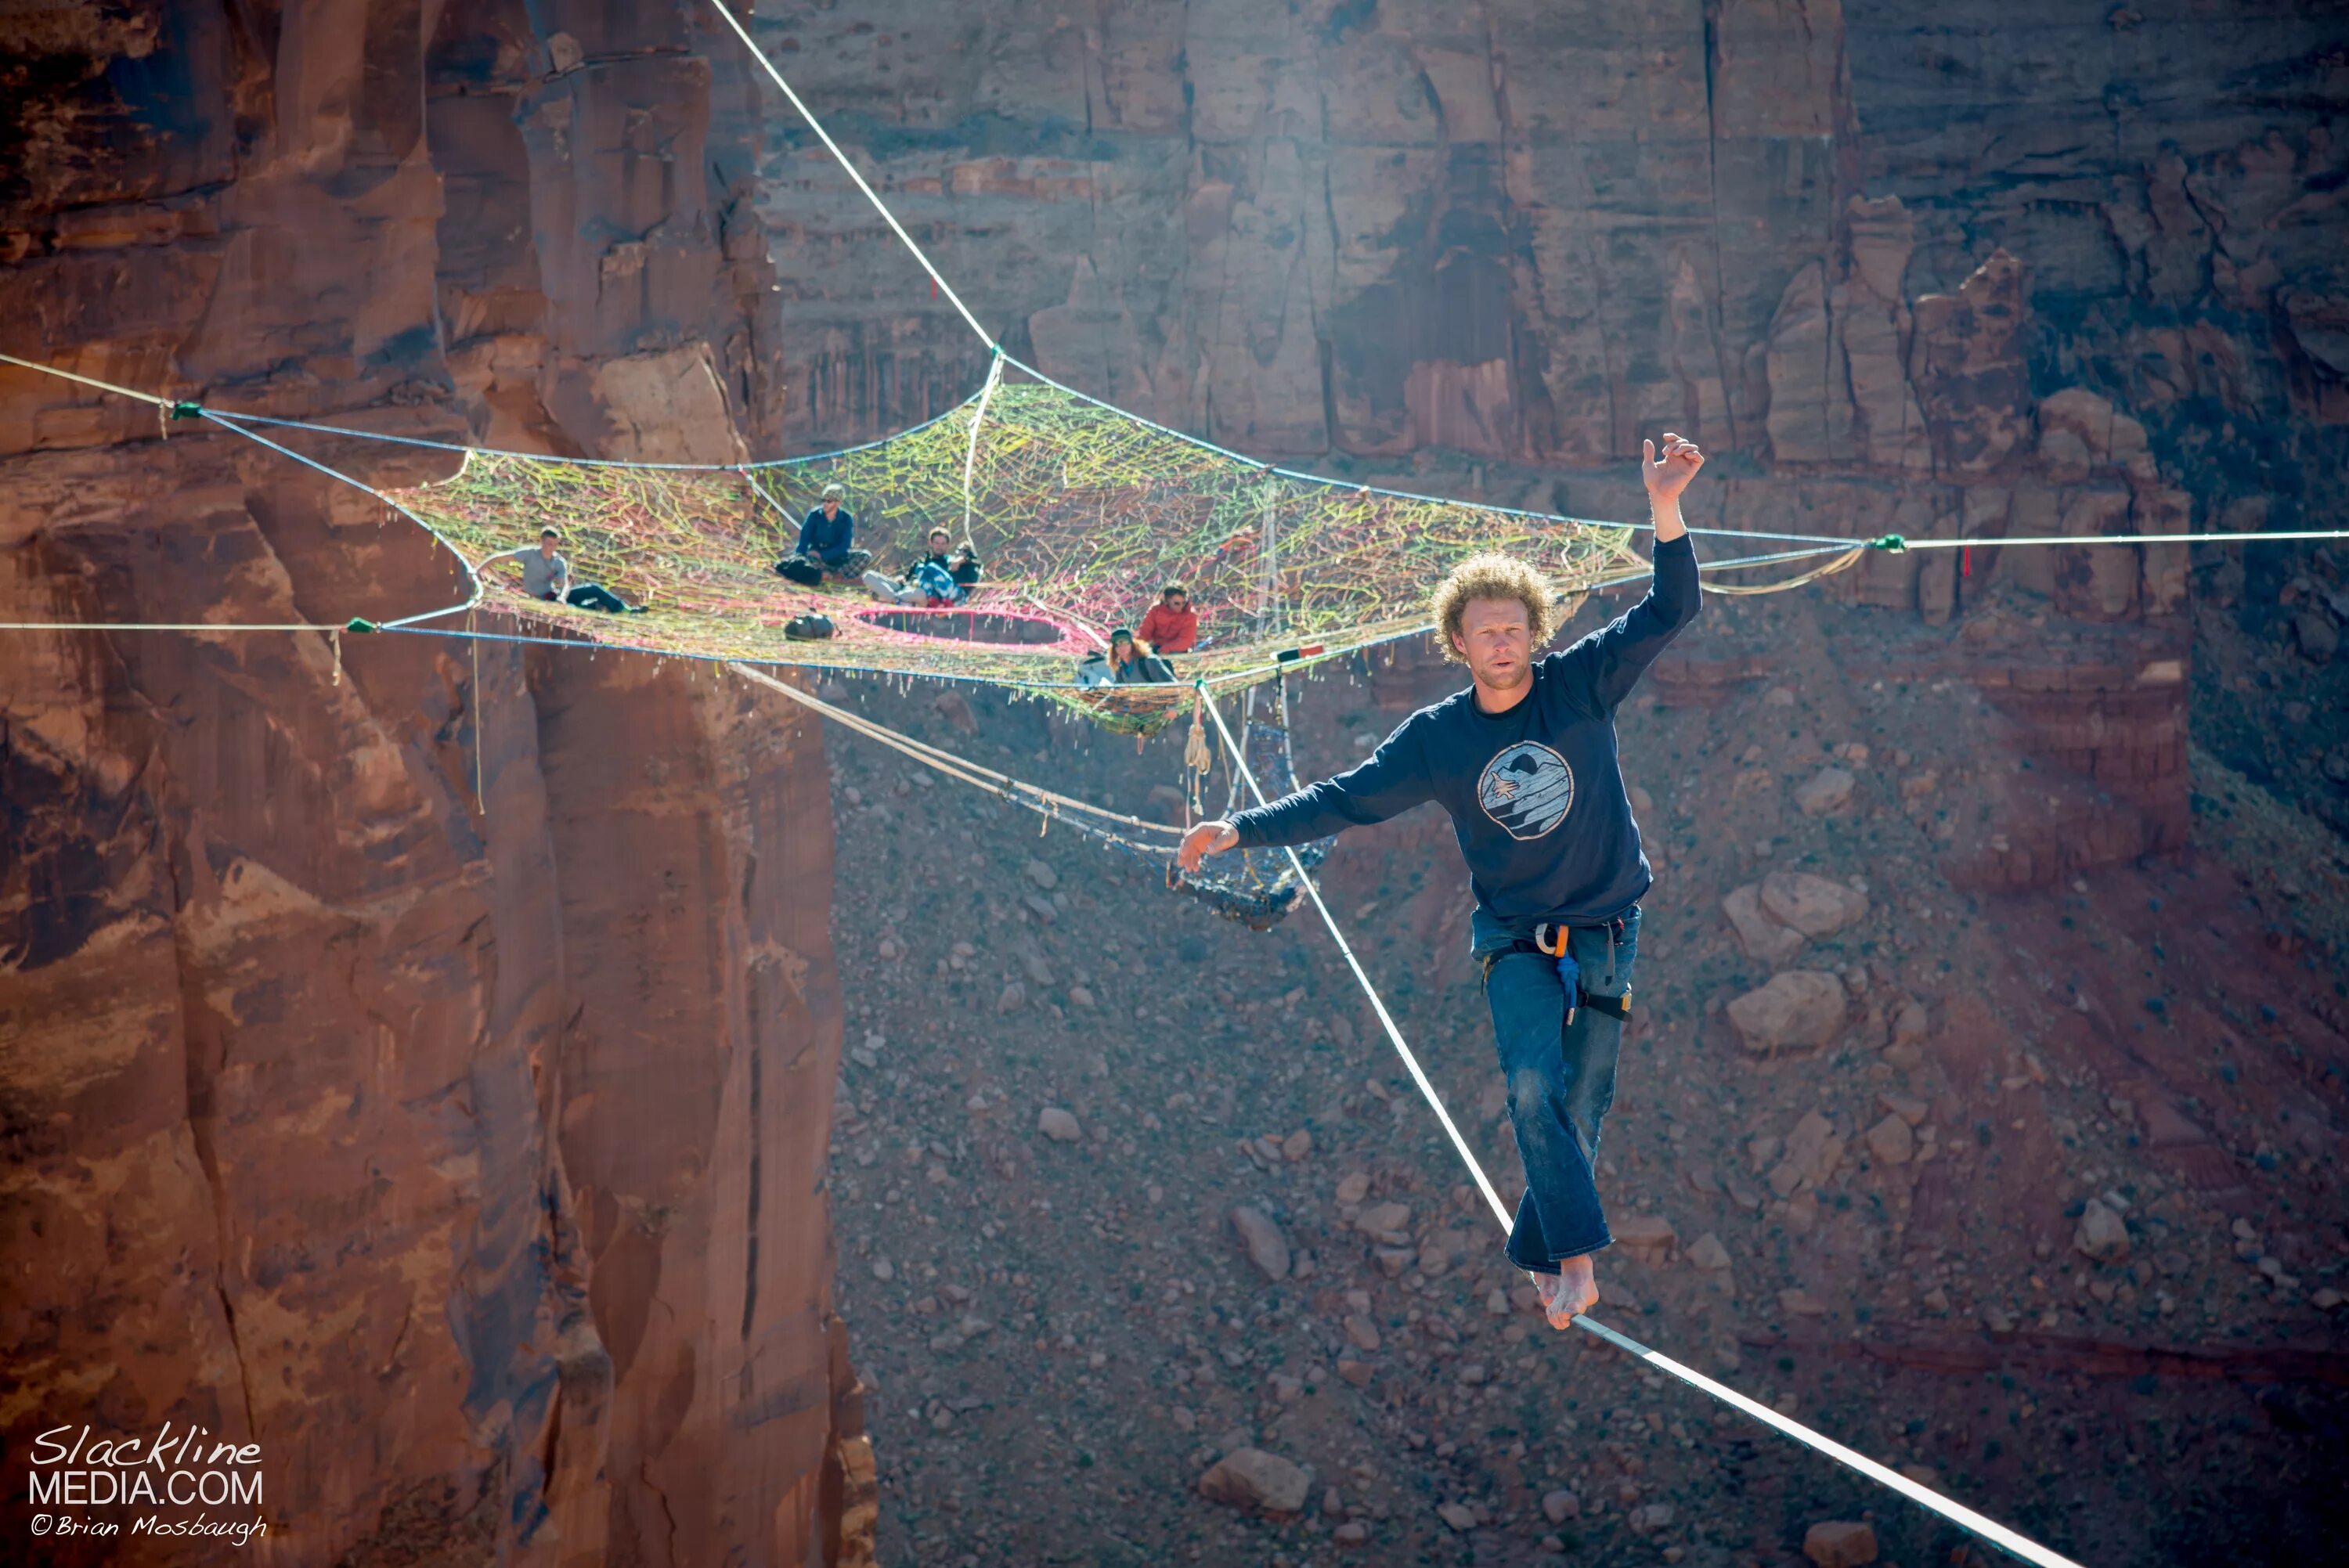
<point x="1080" y="511"/>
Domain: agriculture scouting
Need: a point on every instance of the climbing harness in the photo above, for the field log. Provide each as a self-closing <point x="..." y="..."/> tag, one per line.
<point x="1554" y="944"/>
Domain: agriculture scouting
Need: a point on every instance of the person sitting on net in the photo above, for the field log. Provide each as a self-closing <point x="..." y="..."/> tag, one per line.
<point x="937" y="580"/>
<point x="827" y="544"/>
<point x="1132" y="662"/>
<point x="1172" y="626"/>
<point x="547" y="575"/>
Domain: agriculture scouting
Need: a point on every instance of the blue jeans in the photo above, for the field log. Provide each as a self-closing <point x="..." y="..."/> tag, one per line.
<point x="1561" y="1080"/>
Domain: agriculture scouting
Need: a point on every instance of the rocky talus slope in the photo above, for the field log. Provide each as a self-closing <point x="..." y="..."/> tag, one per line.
<point x="1152" y="1247"/>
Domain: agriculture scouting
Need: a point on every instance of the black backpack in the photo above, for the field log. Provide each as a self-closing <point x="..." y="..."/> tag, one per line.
<point x="800" y="569"/>
<point x="808" y="628"/>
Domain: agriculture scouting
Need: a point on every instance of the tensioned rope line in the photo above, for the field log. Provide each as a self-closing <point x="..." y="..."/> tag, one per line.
<point x="1843" y="562"/>
<point x="1898" y="544"/>
<point x="1327" y="482"/>
<point x="472" y="450"/>
<point x="1892" y="542"/>
<point x="878" y="205"/>
<point x="86" y="380"/>
<point x="169" y="626"/>
<point x="1846" y="556"/>
<point x="472" y="573"/>
<point x="973" y="773"/>
<point x="1988" y="1529"/>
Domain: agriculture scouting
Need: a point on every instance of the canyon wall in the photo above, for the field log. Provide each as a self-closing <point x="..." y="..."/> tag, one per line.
<point x="2075" y="272"/>
<point x="416" y="1055"/>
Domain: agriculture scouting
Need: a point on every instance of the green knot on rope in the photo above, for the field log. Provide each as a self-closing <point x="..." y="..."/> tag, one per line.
<point x="187" y="411"/>
<point x="361" y="623"/>
<point x="1891" y="541"/>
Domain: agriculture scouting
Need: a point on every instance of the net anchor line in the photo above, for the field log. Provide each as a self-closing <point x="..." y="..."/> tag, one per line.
<point x="1988" y="1529"/>
<point x="166" y="406"/>
<point x="978" y="418"/>
<point x="1047" y="802"/>
<point x="472" y="572"/>
<point x="842" y="157"/>
<point x="172" y="410"/>
<point x="1843" y="562"/>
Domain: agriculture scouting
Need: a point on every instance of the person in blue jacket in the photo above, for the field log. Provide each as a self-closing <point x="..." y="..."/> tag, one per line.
<point x="1525" y="762"/>
<point x="827" y="544"/>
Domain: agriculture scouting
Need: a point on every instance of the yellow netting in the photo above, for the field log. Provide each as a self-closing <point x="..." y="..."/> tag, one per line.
<point x="1080" y="511"/>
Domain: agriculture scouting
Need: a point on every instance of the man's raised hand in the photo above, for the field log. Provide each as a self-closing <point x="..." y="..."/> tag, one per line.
<point x="1205" y="838"/>
<point x="1668" y="475"/>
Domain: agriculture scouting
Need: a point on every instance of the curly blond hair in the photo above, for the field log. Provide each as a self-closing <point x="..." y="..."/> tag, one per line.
<point x="1490" y="576"/>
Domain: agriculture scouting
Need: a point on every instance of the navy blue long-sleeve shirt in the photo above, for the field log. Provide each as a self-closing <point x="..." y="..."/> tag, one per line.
<point x="829" y="537"/>
<point x="1536" y="794"/>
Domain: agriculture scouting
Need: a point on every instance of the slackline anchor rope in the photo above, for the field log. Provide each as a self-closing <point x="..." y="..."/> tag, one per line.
<point x="1988" y="1529"/>
<point x="834" y="148"/>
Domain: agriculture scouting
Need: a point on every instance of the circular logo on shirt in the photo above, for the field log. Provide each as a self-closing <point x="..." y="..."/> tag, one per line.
<point x="1527" y="788"/>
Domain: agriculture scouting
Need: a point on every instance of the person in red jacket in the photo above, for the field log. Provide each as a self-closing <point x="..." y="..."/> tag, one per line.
<point x="1172" y="626"/>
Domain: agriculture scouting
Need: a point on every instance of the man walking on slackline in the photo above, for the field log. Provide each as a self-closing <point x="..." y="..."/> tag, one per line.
<point x="1525" y="762"/>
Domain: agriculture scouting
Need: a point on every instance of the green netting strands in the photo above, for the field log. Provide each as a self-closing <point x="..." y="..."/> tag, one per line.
<point x="1080" y="512"/>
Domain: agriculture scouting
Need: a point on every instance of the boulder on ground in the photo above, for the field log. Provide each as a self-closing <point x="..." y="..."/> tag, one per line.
<point x="1893" y="1141"/>
<point x="1057" y="1124"/>
<point x="1813" y="906"/>
<point x="1840" y="1543"/>
<point x="1648" y="1238"/>
<point x="1562" y="1505"/>
<point x="1706" y="1253"/>
<point x="2318" y="641"/>
<point x="1765" y="940"/>
<point x="1812" y="1153"/>
<point x="1387" y="1221"/>
<point x="1908" y="1108"/>
<point x="1798" y="1007"/>
<point x="2102" y="1234"/>
<point x="1828" y="792"/>
<point x="1253" y="1480"/>
<point x="1267" y="1247"/>
<point x="952" y="708"/>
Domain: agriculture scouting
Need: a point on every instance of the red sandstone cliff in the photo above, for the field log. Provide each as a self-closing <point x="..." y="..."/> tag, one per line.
<point x="469" y="1157"/>
<point x="465" y="1151"/>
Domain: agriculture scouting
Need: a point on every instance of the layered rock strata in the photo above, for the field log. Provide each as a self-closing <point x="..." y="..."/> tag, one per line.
<point x="418" y="1054"/>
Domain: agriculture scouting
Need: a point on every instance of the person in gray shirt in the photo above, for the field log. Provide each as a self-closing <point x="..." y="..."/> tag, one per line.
<point x="547" y="575"/>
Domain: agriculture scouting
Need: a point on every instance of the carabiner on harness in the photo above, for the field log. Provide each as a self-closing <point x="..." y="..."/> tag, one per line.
<point x="1556" y="943"/>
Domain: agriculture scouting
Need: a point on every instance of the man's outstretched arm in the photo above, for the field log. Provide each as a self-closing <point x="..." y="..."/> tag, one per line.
<point x="1391" y="782"/>
<point x="1614" y="657"/>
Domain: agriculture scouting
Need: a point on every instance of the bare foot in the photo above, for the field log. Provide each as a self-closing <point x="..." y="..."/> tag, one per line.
<point x="1568" y="1293"/>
